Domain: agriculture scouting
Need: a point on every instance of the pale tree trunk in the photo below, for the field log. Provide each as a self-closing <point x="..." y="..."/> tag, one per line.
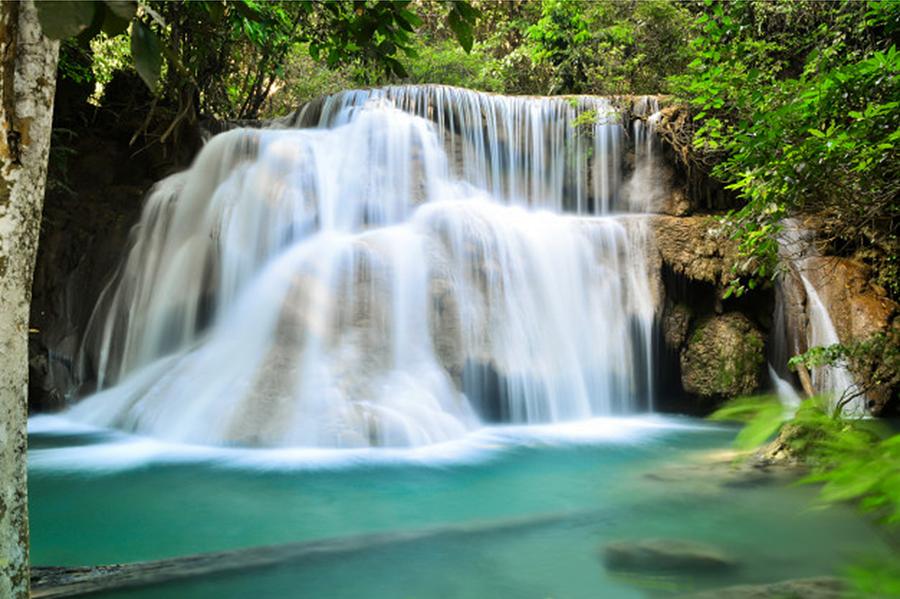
<point x="27" y="83"/>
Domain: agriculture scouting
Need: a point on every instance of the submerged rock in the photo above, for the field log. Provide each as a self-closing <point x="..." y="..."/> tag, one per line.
<point x="712" y="473"/>
<point x="665" y="555"/>
<point x="805" y="588"/>
<point x="723" y="357"/>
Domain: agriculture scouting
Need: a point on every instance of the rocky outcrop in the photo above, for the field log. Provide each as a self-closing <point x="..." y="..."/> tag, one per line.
<point x="715" y="344"/>
<point x="723" y="357"/>
<point x="695" y="247"/>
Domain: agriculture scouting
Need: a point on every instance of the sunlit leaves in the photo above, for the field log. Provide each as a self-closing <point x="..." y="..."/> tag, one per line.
<point x="611" y="47"/>
<point x="377" y="33"/>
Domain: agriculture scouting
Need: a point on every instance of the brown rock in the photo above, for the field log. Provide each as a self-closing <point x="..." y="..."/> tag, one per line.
<point x="723" y="357"/>
<point x="695" y="247"/>
<point x="859" y="311"/>
<point x="675" y="322"/>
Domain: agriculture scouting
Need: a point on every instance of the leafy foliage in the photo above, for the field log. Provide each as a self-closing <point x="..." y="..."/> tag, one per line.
<point x="796" y="103"/>
<point x="611" y="47"/>
<point x="762" y="417"/>
<point x="226" y="57"/>
<point x="854" y="459"/>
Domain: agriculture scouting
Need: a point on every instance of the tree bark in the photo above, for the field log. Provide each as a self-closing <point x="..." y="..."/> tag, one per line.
<point x="27" y="84"/>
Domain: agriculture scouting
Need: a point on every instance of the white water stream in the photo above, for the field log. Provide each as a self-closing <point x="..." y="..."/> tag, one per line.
<point x="396" y="274"/>
<point x="817" y="328"/>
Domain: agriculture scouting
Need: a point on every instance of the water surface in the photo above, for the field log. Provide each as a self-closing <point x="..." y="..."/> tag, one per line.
<point x="100" y="497"/>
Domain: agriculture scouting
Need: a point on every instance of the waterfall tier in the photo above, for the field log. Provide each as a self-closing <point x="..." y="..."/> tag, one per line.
<point x="394" y="272"/>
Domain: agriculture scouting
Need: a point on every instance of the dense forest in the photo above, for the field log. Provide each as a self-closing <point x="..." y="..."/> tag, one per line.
<point x="773" y="117"/>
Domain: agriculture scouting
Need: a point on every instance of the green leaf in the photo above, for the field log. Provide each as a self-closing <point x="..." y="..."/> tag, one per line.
<point x="124" y="9"/>
<point x="462" y="31"/>
<point x="763" y="417"/>
<point x="410" y="17"/>
<point x="248" y="11"/>
<point x="62" y="20"/>
<point x="466" y="11"/>
<point x="147" y="54"/>
<point x="396" y="67"/>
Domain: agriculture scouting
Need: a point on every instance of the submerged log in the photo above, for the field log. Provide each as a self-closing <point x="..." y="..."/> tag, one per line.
<point x="51" y="581"/>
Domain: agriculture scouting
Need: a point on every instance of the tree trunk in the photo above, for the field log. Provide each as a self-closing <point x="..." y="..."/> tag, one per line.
<point x="27" y="83"/>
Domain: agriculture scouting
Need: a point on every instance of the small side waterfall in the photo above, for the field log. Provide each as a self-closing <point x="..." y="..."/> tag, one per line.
<point x="801" y="309"/>
<point x="395" y="271"/>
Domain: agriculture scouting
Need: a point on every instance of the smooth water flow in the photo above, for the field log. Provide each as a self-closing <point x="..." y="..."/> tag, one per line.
<point x="798" y="252"/>
<point x="397" y="274"/>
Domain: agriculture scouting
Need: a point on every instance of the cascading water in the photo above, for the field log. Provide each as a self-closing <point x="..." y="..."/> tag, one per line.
<point x="798" y="252"/>
<point x="393" y="272"/>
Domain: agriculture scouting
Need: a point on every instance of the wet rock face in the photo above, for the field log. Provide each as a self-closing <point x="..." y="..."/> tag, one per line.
<point x="722" y="357"/>
<point x="858" y="309"/>
<point x="666" y="555"/>
<point x="675" y="321"/>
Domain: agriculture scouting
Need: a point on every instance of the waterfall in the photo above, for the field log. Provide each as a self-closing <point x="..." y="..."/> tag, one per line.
<point x="798" y="252"/>
<point x="834" y="380"/>
<point x="386" y="267"/>
<point x="785" y="392"/>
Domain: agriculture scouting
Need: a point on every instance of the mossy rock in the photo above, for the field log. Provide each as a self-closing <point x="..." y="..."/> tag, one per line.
<point x="723" y="357"/>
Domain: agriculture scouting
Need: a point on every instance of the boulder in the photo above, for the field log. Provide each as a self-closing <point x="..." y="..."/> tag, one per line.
<point x="666" y="555"/>
<point x="676" y="203"/>
<point x="723" y="357"/>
